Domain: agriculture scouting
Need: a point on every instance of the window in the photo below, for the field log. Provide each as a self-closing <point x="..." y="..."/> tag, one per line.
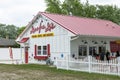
<point x="102" y="49"/>
<point x="82" y="50"/>
<point x="93" y="50"/>
<point x="39" y="50"/>
<point x="42" y="50"/>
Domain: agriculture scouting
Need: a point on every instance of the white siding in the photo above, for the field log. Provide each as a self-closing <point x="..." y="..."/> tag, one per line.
<point x="59" y="43"/>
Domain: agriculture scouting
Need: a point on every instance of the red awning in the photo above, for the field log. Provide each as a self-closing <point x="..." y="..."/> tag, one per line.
<point x="23" y="40"/>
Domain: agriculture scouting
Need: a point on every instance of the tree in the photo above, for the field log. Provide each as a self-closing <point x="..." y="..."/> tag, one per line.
<point x="53" y="6"/>
<point x="89" y="10"/>
<point x="20" y="30"/>
<point x="11" y="31"/>
<point x="72" y="7"/>
<point x="76" y="8"/>
<point x="8" y="31"/>
<point x="108" y="12"/>
<point x="2" y="30"/>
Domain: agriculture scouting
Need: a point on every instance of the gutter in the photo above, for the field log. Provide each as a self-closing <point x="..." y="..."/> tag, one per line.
<point x="75" y="38"/>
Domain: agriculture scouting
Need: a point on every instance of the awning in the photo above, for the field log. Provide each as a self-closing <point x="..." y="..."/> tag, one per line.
<point x="23" y="40"/>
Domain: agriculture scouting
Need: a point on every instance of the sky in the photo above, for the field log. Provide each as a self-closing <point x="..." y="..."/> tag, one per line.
<point x="21" y="12"/>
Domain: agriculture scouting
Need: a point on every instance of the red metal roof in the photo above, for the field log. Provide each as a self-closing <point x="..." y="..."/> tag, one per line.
<point x="85" y="26"/>
<point x="23" y="40"/>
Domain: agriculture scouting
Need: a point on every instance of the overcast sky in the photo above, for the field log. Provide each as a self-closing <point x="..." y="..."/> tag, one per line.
<point x="20" y="12"/>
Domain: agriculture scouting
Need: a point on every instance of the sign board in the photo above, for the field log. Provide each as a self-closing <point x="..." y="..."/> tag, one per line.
<point x="42" y="35"/>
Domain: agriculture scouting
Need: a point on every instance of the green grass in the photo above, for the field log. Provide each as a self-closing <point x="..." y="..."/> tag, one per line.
<point x="43" y="72"/>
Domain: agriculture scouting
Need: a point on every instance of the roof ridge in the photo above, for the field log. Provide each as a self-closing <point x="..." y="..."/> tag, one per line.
<point x="76" y="16"/>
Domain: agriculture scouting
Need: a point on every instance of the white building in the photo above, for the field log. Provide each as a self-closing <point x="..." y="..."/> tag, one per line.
<point x="61" y="35"/>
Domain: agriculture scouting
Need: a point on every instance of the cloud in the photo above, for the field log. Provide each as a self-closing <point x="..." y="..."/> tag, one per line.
<point x="19" y="12"/>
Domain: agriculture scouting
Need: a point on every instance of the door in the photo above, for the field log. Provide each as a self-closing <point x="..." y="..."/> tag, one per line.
<point x="26" y="54"/>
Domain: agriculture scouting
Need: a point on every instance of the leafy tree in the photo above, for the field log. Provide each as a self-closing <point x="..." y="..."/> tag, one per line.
<point x="89" y="10"/>
<point x="53" y="6"/>
<point x="20" y="30"/>
<point x="72" y="7"/>
<point x="108" y="12"/>
<point x="8" y="31"/>
<point x="76" y="8"/>
<point x="11" y="31"/>
<point x="2" y="30"/>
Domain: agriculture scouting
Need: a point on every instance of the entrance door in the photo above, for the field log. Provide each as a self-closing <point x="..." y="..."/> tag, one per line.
<point x="26" y="54"/>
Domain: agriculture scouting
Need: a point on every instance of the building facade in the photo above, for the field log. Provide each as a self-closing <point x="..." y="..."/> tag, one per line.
<point x="60" y="36"/>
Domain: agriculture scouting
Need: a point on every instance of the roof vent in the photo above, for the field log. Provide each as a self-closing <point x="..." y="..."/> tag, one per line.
<point x="107" y="24"/>
<point x="113" y="27"/>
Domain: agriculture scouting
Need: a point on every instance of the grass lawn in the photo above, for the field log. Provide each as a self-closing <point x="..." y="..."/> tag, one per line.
<point x="43" y="72"/>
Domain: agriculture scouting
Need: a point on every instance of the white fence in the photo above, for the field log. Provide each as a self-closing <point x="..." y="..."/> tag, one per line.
<point x="89" y="64"/>
<point x="5" y="56"/>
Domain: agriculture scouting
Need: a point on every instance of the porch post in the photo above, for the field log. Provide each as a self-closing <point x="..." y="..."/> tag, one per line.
<point x="89" y="63"/>
<point x="57" y="62"/>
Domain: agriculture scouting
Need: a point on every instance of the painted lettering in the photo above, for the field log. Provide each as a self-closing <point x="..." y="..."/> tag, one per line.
<point x="47" y="28"/>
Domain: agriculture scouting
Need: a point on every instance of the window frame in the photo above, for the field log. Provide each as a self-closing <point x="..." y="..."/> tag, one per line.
<point x="83" y="48"/>
<point x="42" y="50"/>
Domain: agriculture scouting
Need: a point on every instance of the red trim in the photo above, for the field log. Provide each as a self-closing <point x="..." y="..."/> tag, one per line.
<point x="35" y="49"/>
<point x="41" y="57"/>
<point x="48" y="49"/>
<point x="10" y="51"/>
<point x="114" y="46"/>
<point x="26" y="54"/>
<point x="23" y="40"/>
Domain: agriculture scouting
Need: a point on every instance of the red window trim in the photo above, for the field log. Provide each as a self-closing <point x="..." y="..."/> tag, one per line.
<point x="35" y="49"/>
<point x="41" y="57"/>
<point x="48" y="49"/>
